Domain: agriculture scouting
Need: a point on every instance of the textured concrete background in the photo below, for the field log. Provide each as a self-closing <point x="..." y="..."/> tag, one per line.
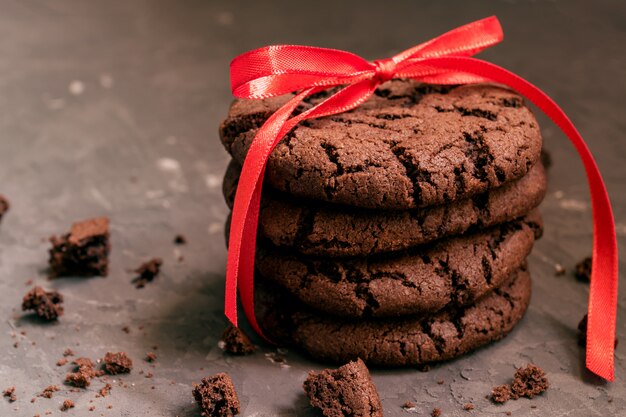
<point x="111" y="108"/>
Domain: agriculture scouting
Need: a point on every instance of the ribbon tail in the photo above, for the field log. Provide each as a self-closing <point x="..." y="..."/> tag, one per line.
<point x="244" y="222"/>
<point x="243" y="229"/>
<point x="602" y="309"/>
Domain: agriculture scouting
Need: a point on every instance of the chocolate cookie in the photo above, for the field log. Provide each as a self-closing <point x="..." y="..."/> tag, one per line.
<point x="396" y="342"/>
<point x="317" y="228"/>
<point x="449" y="274"/>
<point x="410" y="145"/>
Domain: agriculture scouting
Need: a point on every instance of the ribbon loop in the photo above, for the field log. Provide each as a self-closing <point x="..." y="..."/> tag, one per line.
<point x="281" y="69"/>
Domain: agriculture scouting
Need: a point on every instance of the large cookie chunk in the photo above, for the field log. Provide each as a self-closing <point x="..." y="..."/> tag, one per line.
<point x="410" y="145"/>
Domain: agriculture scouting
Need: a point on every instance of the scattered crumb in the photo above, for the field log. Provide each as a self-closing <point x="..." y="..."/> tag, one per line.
<point x="68" y="352"/>
<point x="436" y="412"/>
<point x="45" y="304"/>
<point x="149" y="375"/>
<point x="67" y="404"/>
<point x="236" y="342"/>
<point x="109" y="406"/>
<point x="528" y="381"/>
<point x="216" y="396"/>
<point x="104" y="391"/>
<point x="83" y="362"/>
<point x="180" y="240"/>
<point x="559" y="270"/>
<point x="408" y="404"/>
<point x="468" y="407"/>
<point x="501" y="393"/>
<point x="126" y="329"/>
<point x="82" y="375"/>
<point x="92" y="408"/>
<point x="62" y="361"/>
<point x="117" y="363"/>
<point x="508" y="413"/>
<point x="583" y="270"/>
<point x="49" y="391"/>
<point x="147" y="272"/>
<point x="10" y="394"/>
<point x="151" y="357"/>
<point x="440" y="382"/>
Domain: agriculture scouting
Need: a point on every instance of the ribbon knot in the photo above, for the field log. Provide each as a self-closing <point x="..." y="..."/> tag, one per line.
<point x="385" y="69"/>
<point x="446" y="59"/>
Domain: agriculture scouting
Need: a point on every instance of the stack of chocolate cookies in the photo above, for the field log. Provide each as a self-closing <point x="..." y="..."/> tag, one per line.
<point x="397" y="232"/>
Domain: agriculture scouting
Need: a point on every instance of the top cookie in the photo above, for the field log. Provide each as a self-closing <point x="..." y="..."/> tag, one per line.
<point x="410" y="145"/>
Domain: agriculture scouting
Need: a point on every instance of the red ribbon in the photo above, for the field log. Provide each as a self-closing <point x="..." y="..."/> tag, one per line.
<point x="281" y="69"/>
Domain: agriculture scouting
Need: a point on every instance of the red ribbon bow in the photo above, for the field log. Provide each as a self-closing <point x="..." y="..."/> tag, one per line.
<point x="281" y="69"/>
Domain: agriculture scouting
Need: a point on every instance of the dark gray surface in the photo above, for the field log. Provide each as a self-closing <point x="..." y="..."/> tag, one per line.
<point x="139" y="144"/>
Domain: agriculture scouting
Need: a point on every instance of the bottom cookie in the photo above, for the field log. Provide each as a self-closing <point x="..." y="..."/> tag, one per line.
<point x="395" y="342"/>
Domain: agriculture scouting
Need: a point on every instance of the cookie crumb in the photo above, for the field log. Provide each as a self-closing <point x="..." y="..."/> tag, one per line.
<point x="468" y="407"/>
<point x="408" y="404"/>
<point x="216" y="396"/>
<point x="529" y="381"/>
<point x="49" y="391"/>
<point x="147" y="272"/>
<point x="104" y="391"/>
<point x="151" y="357"/>
<point x="82" y="375"/>
<point x="45" y="304"/>
<point x="9" y="393"/>
<point x="92" y="408"/>
<point x="67" y="404"/>
<point x="180" y="240"/>
<point x="83" y="252"/>
<point x="423" y="367"/>
<point x="583" y="270"/>
<point x="440" y="382"/>
<point x="508" y="413"/>
<point x="237" y="342"/>
<point x="117" y="363"/>
<point x="126" y="329"/>
<point x="68" y="352"/>
<point x="347" y="390"/>
<point x="62" y="361"/>
<point x="436" y="412"/>
<point x="501" y="393"/>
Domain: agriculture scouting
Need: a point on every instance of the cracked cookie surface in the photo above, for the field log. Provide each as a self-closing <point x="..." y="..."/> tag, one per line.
<point x="396" y="342"/>
<point x="410" y="145"/>
<point x="448" y="274"/>
<point x="317" y="228"/>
